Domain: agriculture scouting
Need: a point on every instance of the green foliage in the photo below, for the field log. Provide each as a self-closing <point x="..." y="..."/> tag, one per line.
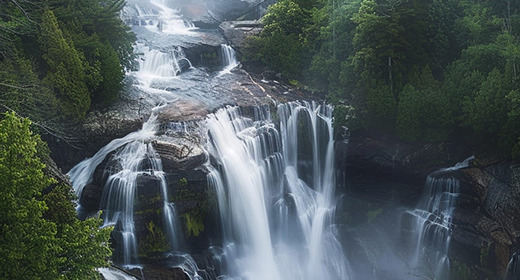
<point x="154" y="241"/>
<point x="424" y="110"/>
<point x="427" y="70"/>
<point x="28" y="248"/>
<point x="40" y="235"/>
<point x="21" y="91"/>
<point x="183" y="183"/>
<point x="487" y="111"/>
<point x="84" y="244"/>
<point x="194" y="223"/>
<point x="80" y="48"/>
<point x="66" y="73"/>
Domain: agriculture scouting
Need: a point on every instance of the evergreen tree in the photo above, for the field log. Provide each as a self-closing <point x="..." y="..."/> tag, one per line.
<point x="28" y="246"/>
<point x="40" y="236"/>
<point x="66" y="74"/>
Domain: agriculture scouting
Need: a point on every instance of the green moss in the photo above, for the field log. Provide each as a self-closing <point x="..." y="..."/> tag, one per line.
<point x="183" y="182"/>
<point x="194" y="224"/>
<point x="154" y="241"/>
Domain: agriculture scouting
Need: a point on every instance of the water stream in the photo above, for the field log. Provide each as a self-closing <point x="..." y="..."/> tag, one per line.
<point x="229" y="59"/>
<point x="277" y="226"/>
<point x="273" y="174"/>
<point x="431" y="223"/>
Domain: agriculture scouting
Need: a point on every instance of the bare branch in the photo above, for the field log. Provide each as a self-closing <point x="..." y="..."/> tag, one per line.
<point x="23" y="10"/>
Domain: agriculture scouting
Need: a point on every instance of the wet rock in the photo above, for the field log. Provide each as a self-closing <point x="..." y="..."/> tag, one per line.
<point x="497" y="189"/>
<point x="182" y="110"/>
<point x="182" y="155"/>
<point x="236" y="32"/>
<point x="156" y="271"/>
<point x="84" y="139"/>
<point x="91" y="197"/>
<point x="398" y="160"/>
<point x="197" y="13"/>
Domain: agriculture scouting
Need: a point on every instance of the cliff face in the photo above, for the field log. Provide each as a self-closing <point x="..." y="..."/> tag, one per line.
<point x="488" y="218"/>
<point x="486" y="223"/>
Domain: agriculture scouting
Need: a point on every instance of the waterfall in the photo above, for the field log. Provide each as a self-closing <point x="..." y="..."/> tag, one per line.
<point x="134" y="157"/>
<point x="157" y="64"/>
<point x="229" y="60"/>
<point x="170" y="22"/>
<point x="513" y="268"/>
<point x="276" y="199"/>
<point x="81" y="174"/>
<point x="160" y="19"/>
<point x="114" y="274"/>
<point x="431" y="223"/>
<point x="157" y="71"/>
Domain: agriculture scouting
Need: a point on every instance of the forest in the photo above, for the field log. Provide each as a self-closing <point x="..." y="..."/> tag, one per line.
<point x="58" y="59"/>
<point x="426" y="71"/>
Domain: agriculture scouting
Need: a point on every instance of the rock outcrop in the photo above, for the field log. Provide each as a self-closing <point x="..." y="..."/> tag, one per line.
<point x="236" y="32"/>
<point x="488" y="216"/>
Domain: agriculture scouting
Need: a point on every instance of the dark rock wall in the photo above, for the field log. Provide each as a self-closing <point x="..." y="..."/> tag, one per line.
<point x="486" y="224"/>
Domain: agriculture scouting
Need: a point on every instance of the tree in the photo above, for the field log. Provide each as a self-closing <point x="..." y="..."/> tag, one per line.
<point x="28" y="247"/>
<point x="83" y="244"/>
<point x="486" y="114"/>
<point x="40" y="237"/>
<point x="425" y="112"/>
<point x="66" y="74"/>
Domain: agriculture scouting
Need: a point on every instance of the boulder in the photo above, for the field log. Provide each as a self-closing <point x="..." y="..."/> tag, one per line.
<point x="182" y="111"/>
<point x="179" y="155"/>
<point x="84" y="139"/>
<point x="91" y="197"/>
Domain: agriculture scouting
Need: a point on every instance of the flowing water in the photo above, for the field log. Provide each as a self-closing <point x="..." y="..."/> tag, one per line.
<point x="274" y="177"/>
<point x="276" y="225"/>
<point x="229" y="59"/>
<point x="431" y="223"/>
<point x="132" y="156"/>
<point x="114" y="274"/>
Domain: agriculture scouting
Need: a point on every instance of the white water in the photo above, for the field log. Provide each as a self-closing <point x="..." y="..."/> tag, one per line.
<point x="431" y="223"/>
<point x="158" y="69"/>
<point x="229" y="60"/>
<point x="170" y="21"/>
<point x="277" y="226"/>
<point x="162" y="19"/>
<point x="81" y="174"/>
<point x="134" y="156"/>
<point x="114" y="274"/>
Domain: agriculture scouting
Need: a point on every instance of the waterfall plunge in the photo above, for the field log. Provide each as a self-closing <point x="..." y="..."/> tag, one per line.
<point x="277" y="225"/>
<point x="229" y="60"/>
<point x="134" y="156"/>
<point x="431" y="223"/>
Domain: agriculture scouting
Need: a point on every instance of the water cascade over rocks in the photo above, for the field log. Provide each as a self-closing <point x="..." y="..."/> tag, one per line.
<point x="276" y="194"/>
<point x="431" y="223"/>
<point x="268" y="174"/>
<point x="229" y="59"/>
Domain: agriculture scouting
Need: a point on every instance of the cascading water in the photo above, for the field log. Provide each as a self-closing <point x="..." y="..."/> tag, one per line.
<point x="431" y="223"/>
<point x="114" y="274"/>
<point x="276" y="225"/>
<point x="158" y="69"/>
<point x="170" y="22"/>
<point x="134" y="157"/>
<point x="160" y="18"/>
<point x="229" y="60"/>
<point x="513" y="268"/>
<point x="81" y="174"/>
